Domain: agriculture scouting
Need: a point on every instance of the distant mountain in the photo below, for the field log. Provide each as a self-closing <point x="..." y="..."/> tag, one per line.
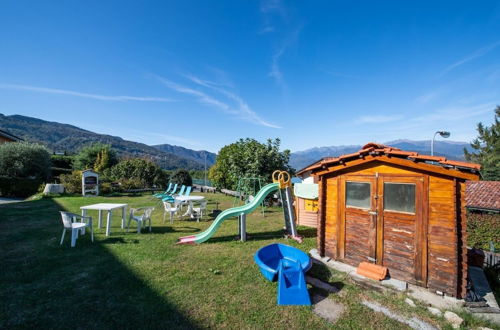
<point x="195" y="155"/>
<point x="448" y="149"/>
<point x="64" y="137"/>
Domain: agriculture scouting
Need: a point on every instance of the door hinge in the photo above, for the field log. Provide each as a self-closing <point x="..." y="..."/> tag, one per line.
<point x="372" y="213"/>
<point x="371" y="259"/>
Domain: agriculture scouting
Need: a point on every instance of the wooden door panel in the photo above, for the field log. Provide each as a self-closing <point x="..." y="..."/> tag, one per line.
<point x="400" y="232"/>
<point x="358" y="226"/>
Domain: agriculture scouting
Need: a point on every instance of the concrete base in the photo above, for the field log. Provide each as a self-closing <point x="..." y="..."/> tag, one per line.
<point x="327" y="308"/>
<point x="413" y="291"/>
<point x="53" y="188"/>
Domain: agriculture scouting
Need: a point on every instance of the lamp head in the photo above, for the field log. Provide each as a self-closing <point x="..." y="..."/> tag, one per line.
<point x="444" y="134"/>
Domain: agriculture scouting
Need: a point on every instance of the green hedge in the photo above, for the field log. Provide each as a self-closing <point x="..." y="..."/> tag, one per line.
<point x="483" y="229"/>
<point x="18" y="187"/>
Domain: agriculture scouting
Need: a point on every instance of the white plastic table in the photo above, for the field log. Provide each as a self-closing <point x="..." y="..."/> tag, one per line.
<point x="190" y="200"/>
<point x="106" y="207"/>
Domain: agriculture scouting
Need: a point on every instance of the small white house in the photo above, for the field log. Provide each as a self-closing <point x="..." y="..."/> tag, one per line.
<point x="90" y="183"/>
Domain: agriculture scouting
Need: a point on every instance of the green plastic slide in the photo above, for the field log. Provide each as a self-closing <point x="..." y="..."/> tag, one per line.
<point x="229" y="213"/>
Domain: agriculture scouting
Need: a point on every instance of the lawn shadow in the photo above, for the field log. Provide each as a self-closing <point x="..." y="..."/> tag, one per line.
<point x="261" y="236"/>
<point x="47" y="285"/>
<point x="307" y="231"/>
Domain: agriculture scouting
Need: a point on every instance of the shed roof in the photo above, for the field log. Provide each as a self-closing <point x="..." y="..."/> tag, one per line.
<point x="483" y="195"/>
<point x="9" y="136"/>
<point x="375" y="150"/>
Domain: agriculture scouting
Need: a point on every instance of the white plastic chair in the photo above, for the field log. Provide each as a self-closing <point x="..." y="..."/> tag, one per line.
<point x="70" y="223"/>
<point x="141" y="219"/>
<point x="199" y="210"/>
<point x="167" y="208"/>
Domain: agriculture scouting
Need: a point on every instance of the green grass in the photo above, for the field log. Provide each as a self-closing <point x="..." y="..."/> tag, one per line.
<point x="131" y="280"/>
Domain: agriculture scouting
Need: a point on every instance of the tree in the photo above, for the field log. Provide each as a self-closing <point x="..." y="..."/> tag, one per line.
<point x="248" y="158"/>
<point x="182" y="177"/>
<point x="24" y="160"/>
<point x="96" y="156"/>
<point x="487" y="149"/>
<point x="145" y="172"/>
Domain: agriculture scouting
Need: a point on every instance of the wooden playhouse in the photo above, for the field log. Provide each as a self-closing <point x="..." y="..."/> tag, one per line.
<point x="306" y="204"/>
<point x="397" y="209"/>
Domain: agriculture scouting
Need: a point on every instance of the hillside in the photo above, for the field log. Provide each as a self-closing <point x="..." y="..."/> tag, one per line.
<point x="64" y="137"/>
<point x="195" y="155"/>
<point x="448" y="149"/>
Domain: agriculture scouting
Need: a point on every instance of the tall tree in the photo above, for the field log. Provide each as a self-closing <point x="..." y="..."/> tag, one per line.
<point x="487" y="149"/>
<point x="248" y="158"/>
<point x="96" y="156"/>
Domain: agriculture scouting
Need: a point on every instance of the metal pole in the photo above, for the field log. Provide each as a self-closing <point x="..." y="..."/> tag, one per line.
<point x="205" y="180"/>
<point x="243" y="227"/>
<point x="432" y="143"/>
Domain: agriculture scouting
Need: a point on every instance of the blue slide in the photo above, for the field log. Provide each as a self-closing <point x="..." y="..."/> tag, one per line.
<point x="292" y="287"/>
<point x="288" y="265"/>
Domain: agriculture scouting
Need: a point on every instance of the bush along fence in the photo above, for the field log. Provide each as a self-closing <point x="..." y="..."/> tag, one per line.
<point x="18" y="187"/>
<point x="483" y="231"/>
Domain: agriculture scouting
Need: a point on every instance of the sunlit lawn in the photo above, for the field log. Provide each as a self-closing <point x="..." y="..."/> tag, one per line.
<point x="131" y="280"/>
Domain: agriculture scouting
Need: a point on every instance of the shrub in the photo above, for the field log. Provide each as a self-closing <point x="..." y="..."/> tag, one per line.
<point x="18" y="187"/>
<point x="133" y="183"/>
<point x="96" y="156"/>
<point x="61" y="161"/>
<point x="483" y="229"/>
<point x="72" y="182"/>
<point x="24" y="160"/>
<point x="182" y="177"/>
<point x="105" y="188"/>
<point x="142" y="172"/>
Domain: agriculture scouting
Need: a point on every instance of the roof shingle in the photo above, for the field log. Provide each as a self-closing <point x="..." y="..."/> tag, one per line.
<point x="483" y="195"/>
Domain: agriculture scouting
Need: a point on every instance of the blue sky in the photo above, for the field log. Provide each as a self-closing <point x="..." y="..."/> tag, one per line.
<point x="202" y="74"/>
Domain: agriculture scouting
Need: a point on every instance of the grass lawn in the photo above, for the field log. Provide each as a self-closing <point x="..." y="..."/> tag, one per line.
<point x="131" y="280"/>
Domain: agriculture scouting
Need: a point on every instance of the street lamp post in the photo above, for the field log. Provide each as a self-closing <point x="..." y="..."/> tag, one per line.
<point x="443" y="134"/>
<point x="205" y="173"/>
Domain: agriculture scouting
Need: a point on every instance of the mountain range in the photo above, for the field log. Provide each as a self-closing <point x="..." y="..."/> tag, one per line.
<point x="449" y="149"/>
<point x="67" y="138"/>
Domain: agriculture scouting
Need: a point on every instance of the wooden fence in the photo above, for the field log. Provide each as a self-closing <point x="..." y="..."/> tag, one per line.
<point x="491" y="259"/>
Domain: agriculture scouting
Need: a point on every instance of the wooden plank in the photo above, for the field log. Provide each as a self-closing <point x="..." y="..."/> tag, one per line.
<point x="321" y="217"/>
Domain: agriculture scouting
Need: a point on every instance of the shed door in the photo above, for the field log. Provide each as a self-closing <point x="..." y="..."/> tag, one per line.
<point x="382" y="222"/>
<point x="359" y="221"/>
<point x="401" y="241"/>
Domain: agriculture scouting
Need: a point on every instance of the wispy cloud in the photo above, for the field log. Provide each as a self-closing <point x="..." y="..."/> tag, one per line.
<point x="238" y="107"/>
<point x="478" y="53"/>
<point x="378" y="119"/>
<point x="200" y="96"/>
<point x="275" y="71"/>
<point x="120" y="98"/>
<point x="269" y="8"/>
<point x="168" y="138"/>
<point x="428" y="97"/>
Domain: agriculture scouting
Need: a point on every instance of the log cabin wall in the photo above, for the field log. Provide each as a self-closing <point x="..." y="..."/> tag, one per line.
<point x="443" y="266"/>
<point x="331" y="216"/>
<point x="442" y="235"/>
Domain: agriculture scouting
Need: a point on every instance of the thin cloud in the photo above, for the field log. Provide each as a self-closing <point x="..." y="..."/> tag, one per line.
<point x="201" y="97"/>
<point x="275" y="71"/>
<point x="428" y="97"/>
<point x="120" y="98"/>
<point x="378" y="119"/>
<point x="242" y="109"/>
<point x="478" y="53"/>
